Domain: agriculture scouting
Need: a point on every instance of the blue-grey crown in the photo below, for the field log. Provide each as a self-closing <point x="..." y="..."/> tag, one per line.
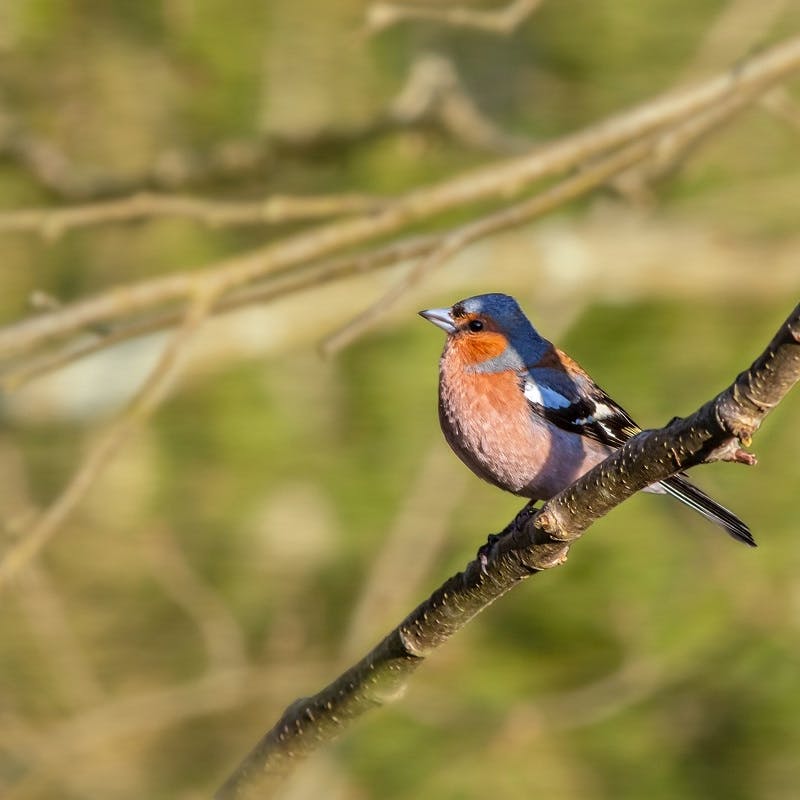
<point x="505" y="311"/>
<point x="501" y="307"/>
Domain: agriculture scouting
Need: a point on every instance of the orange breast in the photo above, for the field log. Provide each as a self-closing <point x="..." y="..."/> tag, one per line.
<point x="474" y="348"/>
<point x="489" y="424"/>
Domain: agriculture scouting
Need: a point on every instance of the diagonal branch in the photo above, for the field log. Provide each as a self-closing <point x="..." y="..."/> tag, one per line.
<point x="651" y="158"/>
<point x="532" y="543"/>
<point x="30" y="544"/>
<point x="273" y="287"/>
<point x="584" y="181"/>
<point x="53" y="222"/>
<point x="500" y="182"/>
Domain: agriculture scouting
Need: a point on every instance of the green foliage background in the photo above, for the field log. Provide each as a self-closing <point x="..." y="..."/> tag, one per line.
<point x="660" y="662"/>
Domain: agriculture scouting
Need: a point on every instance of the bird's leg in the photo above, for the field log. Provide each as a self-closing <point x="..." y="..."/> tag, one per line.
<point x="492" y="539"/>
<point x="522" y="518"/>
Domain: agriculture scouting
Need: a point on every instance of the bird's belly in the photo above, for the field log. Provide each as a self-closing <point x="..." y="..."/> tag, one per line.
<point x="507" y="445"/>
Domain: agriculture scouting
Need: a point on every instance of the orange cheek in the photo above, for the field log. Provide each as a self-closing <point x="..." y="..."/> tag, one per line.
<point x="477" y="347"/>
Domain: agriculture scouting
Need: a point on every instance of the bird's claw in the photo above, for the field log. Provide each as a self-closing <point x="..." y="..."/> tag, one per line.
<point x="484" y="551"/>
<point x="523" y="516"/>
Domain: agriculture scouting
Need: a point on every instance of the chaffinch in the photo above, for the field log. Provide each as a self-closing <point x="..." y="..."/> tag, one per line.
<point x="524" y="416"/>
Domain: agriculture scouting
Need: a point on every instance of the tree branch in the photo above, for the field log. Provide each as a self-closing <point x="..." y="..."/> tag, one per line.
<point x="53" y="222"/>
<point x="147" y="399"/>
<point x="580" y="183"/>
<point x="531" y="544"/>
<point x="675" y="145"/>
<point x="498" y="181"/>
<point x="441" y="101"/>
<point x="271" y="288"/>
<point x="502" y="21"/>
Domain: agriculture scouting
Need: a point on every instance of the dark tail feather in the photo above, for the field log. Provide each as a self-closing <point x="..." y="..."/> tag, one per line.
<point x="688" y="493"/>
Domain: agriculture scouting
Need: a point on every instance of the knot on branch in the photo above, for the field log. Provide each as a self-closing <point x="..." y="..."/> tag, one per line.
<point x="733" y="415"/>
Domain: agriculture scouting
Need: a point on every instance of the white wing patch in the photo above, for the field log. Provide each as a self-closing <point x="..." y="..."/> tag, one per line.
<point x="544" y="396"/>
<point x="603" y="411"/>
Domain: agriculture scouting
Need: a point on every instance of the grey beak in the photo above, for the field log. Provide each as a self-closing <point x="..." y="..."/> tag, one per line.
<point x="440" y="317"/>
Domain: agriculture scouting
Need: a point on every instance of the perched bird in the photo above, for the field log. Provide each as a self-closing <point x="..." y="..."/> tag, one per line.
<point x="524" y="416"/>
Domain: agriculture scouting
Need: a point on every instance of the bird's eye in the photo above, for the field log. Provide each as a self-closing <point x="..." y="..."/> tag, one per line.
<point x="475" y="325"/>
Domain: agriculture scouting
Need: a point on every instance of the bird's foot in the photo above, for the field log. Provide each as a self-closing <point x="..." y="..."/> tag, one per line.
<point x="485" y="550"/>
<point x="521" y="520"/>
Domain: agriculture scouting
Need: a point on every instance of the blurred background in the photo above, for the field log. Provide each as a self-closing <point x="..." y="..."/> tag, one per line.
<point x="282" y="510"/>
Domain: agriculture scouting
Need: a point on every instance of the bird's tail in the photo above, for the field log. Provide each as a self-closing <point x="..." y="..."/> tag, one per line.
<point x="689" y="494"/>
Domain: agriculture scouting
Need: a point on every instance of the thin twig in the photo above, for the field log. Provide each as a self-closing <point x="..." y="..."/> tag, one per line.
<point x="670" y="147"/>
<point x="143" y="404"/>
<point x="738" y="28"/>
<point x="53" y="222"/>
<point x="780" y="103"/>
<point x="221" y="633"/>
<point x="434" y="91"/>
<point x="582" y="182"/>
<point x="271" y="288"/>
<point x="73" y="676"/>
<point x="225" y="161"/>
<point x="503" y="21"/>
<point x="498" y="181"/>
<point x="407" y="552"/>
<point x="503" y="179"/>
<point x="674" y="147"/>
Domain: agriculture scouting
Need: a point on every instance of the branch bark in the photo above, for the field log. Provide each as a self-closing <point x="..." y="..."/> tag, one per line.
<point x="530" y="544"/>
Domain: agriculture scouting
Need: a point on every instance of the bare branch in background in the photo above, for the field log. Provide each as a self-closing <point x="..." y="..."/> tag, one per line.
<point x="675" y="146"/>
<point x="584" y="181"/>
<point x="22" y="552"/>
<point x="222" y="635"/>
<point x="176" y="168"/>
<point x="271" y="288"/>
<point x="738" y="28"/>
<point x="530" y="544"/>
<point x="73" y="677"/>
<point x="499" y="181"/>
<point x="434" y="92"/>
<point x="780" y="103"/>
<point x="408" y="551"/>
<point x="433" y="96"/>
<point x="653" y="159"/>
<point x="503" y="21"/>
<point x="53" y="222"/>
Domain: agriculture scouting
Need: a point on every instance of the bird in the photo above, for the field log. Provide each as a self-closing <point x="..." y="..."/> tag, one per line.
<point x="524" y="416"/>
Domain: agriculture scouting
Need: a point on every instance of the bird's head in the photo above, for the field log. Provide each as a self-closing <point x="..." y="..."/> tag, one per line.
<point x="488" y="332"/>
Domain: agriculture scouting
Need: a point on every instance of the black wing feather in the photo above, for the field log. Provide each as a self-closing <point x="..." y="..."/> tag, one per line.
<point x="596" y="416"/>
<point x="600" y="418"/>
